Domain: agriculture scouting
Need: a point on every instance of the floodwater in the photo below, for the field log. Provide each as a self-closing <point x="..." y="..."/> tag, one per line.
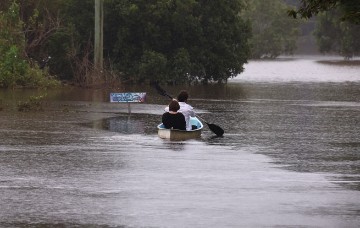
<point x="290" y="156"/>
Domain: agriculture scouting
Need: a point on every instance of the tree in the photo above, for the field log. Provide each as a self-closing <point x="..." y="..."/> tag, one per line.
<point x="15" y="68"/>
<point x="273" y="32"/>
<point x="334" y="35"/>
<point x="349" y="9"/>
<point x="45" y="33"/>
<point x="185" y="40"/>
<point x="144" y="40"/>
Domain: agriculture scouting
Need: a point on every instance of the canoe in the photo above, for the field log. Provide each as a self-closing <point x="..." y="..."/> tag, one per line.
<point x="174" y="134"/>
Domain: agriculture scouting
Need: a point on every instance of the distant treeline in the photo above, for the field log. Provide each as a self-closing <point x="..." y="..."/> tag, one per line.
<point x="177" y="41"/>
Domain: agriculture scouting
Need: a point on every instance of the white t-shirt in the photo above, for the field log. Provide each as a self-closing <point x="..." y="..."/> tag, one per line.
<point x="187" y="110"/>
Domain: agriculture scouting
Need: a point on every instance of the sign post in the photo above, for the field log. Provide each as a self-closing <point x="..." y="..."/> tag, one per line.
<point x="99" y="35"/>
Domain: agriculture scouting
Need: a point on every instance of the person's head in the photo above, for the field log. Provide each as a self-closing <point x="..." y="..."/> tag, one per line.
<point x="174" y="106"/>
<point x="183" y="96"/>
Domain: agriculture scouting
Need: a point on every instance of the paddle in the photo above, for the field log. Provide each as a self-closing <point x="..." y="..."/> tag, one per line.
<point x="214" y="128"/>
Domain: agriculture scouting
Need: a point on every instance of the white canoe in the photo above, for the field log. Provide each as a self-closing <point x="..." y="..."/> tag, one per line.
<point x="181" y="134"/>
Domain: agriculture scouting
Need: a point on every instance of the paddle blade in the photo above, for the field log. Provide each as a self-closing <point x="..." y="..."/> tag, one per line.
<point x="216" y="129"/>
<point x="161" y="91"/>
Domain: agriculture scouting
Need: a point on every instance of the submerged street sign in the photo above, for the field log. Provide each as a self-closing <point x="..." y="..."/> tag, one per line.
<point x="127" y="97"/>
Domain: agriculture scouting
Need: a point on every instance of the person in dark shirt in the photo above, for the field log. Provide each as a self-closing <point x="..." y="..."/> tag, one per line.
<point x="174" y="119"/>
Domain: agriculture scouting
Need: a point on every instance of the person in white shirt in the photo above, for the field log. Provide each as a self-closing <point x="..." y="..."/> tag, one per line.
<point x="186" y="109"/>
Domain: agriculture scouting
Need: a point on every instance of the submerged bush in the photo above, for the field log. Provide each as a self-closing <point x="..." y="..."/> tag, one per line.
<point x="35" y="103"/>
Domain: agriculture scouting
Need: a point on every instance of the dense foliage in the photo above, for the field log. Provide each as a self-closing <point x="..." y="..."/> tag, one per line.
<point x="15" y="67"/>
<point x="273" y="32"/>
<point x="336" y="36"/>
<point x="179" y="41"/>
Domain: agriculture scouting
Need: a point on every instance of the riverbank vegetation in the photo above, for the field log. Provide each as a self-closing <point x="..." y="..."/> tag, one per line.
<point x="15" y="69"/>
<point x="185" y="41"/>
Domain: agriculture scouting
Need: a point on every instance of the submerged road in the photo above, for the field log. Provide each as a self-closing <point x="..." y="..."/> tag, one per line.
<point x="289" y="158"/>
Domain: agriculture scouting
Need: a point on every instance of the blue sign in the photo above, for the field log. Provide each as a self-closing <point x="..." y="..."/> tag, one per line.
<point x="127" y="97"/>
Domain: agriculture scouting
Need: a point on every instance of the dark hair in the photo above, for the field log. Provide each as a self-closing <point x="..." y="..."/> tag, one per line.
<point x="183" y="96"/>
<point x="174" y="106"/>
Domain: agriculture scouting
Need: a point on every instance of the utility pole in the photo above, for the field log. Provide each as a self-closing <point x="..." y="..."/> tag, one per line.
<point x="99" y="36"/>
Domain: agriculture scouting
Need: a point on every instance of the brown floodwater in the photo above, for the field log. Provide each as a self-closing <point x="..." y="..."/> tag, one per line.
<point x="290" y="155"/>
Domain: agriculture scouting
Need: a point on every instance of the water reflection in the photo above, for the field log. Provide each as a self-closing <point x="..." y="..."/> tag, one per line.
<point x="120" y="124"/>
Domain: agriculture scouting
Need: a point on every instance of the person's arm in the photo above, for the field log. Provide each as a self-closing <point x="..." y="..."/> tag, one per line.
<point x="191" y="111"/>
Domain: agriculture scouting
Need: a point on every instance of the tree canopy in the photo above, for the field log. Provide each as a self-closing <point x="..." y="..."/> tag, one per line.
<point x="144" y="40"/>
<point x="191" y="40"/>
<point x="349" y="9"/>
<point x="16" y="69"/>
